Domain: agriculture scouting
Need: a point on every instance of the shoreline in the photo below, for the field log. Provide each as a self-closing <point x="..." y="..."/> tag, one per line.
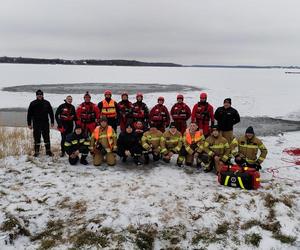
<point x="263" y="126"/>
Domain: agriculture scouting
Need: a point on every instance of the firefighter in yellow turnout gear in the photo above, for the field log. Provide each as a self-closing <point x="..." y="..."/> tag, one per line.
<point x="248" y="147"/>
<point x="192" y="145"/>
<point x="151" y="141"/>
<point x="171" y="143"/>
<point x="104" y="144"/>
<point x="216" y="151"/>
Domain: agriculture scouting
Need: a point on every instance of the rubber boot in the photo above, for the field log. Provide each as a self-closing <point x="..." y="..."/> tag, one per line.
<point x="146" y="156"/>
<point x="136" y="160"/>
<point x="83" y="160"/>
<point x="36" y="150"/>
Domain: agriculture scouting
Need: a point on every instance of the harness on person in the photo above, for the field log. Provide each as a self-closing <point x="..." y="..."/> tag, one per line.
<point x="66" y="114"/>
<point x="239" y="177"/>
<point x="202" y="115"/>
<point x="88" y="114"/>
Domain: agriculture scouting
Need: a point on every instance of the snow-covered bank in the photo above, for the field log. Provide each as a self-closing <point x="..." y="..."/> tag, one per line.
<point x="130" y="207"/>
<point x="255" y="92"/>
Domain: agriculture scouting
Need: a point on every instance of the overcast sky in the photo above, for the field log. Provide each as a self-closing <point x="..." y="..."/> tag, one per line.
<point x="261" y="32"/>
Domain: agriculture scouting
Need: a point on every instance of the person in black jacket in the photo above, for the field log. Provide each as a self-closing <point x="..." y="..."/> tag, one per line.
<point x="38" y="112"/>
<point x="227" y="117"/>
<point x="65" y="117"/>
<point x="77" y="143"/>
<point x="128" y="145"/>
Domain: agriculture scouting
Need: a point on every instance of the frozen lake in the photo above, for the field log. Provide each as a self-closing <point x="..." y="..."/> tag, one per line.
<point x="254" y="92"/>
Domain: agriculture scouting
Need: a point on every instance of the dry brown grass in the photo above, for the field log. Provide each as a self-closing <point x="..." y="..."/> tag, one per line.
<point x="15" y="141"/>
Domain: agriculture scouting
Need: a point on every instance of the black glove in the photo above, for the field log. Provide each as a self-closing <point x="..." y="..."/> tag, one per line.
<point x="257" y="166"/>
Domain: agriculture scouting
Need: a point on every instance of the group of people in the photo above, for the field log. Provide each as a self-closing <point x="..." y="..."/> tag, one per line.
<point x="208" y="141"/>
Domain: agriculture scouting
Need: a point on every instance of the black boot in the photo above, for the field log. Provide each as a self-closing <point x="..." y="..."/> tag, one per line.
<point x="166" y="160"/>
<point x="48" y="149"/>
<point x="146" y="156"/>
<point x="137" y="161"/>
<point x="124" y="159"/>
<point x="179" y="164"/>
<point x="83" y="160"/>
<point x="36" y="150"/>
<point x="156" y="157"/>
<point x="49" y="153"/>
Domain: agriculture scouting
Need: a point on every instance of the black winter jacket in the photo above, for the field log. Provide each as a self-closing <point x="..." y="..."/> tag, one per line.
<point x="227" y="118"/>
<point x="39" y="111"/>
<point x="127" y="141"/>
<point x="76" y="142"/>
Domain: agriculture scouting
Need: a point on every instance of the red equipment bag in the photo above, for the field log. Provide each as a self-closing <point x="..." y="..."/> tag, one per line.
<point x="239" y="177"/>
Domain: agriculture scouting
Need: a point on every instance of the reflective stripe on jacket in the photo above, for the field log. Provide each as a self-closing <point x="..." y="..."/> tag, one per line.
<point x="109" y="109"/>
<point x="217" y="146"/>
<point x="193" y="143"/>
<point x="248" y="149"/>
<point x="170" y="142"/>
<point x="106" y="137"/>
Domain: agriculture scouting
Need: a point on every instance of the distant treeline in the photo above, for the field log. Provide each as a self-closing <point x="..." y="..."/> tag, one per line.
<point x="246" y="66"/>
<point x="27" y="60"/>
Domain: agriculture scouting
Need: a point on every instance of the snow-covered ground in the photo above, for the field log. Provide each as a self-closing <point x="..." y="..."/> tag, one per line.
<point x="126" y="207"/>
<point x="189" y="209"/>
<point x="255" y="92"/>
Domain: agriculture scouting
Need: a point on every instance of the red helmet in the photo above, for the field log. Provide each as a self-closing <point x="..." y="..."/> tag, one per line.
<point x="107" y="92"/>
<point x="203" y="96"/>
<point x="180" y="97"/>
<point x="160" y="98"/>
<point x="139" y="94"/>
<point x="124" y="93"/>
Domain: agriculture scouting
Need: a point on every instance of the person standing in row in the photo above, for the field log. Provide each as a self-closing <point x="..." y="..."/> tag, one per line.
<point x="125" y="111"/>
<point x="87" y="115"/>
<point x="203" y="114"/>
<point x="109" y="108"/>
<point x="38" y="119"/>
<point x="65" y="117"/>
<point x="159" y="115"/>
<point x="180" y="113"/>
<point x="140" y="111"/>
<point x="227" y="117"/>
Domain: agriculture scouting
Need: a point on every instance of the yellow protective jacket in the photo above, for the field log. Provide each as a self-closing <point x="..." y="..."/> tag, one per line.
<point x="152" y="140"/>
<point x="217" y="146"/>
<point x="248" y="149"/>
<point x="106" y="137"/>
<point x="193" y="143"/>
<point x="170" y="142"/>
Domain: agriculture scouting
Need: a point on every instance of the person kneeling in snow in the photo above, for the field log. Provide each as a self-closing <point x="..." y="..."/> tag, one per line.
<point x="216" y="150"/>
<point x="128" y="145"/>
<point x="192" y="145"/>
<point x="151" y="143"/>
<point x="77" y="143"/>
<point x="104" y="143"/>
<point x="171" y="143"/>
<point x="248" y="146"/>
